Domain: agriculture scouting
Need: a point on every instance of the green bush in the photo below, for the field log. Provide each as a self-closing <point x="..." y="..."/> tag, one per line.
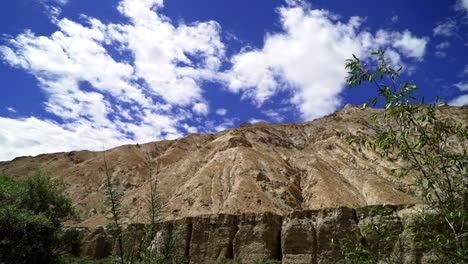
<point x="26" y="237"/>
<point x="32" y="211"/>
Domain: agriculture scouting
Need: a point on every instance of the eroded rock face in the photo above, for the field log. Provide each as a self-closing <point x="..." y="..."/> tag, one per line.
<point x="332" y="226"/>
<point x="299" y="238"/>
<point x="212" y="238"/>
<point x="302" y="237"/>
<point x="258" y="237"/>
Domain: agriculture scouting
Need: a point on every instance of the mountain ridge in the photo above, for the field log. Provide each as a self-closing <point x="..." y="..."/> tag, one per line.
<point x="254" y="168"/>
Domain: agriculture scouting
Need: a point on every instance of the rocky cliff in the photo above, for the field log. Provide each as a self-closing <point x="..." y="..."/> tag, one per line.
<point x="300" y="237"/>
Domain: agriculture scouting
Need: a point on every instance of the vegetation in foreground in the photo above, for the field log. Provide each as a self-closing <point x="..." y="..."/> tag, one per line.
<point x="32" y="212"/>
<point x="110" y="261"/>
<point x="433" y="152"/>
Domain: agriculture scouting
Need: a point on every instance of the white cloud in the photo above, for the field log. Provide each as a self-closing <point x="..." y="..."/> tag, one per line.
<point x="53" y="8"/>
<point x="221" y="111"/>
<point x="190" y="129"/>
<point x="112" y="84"/>
<point x="32" y="136"/>
<point x="161" y="51"/>
<point x="226" y="124"/>
<point x="65" y="61"/>
<point x="11" y="109"/>
<point x="99" y="99"/>
<point x="298" y="3"/>
<point x="307" y="59"/>
<point x="201" y="109"/>
<point x="460" y="101"/>
<point x="462" y="86"/>
<point x="9" y="55"/>
<point x="440" y="53"/>
<point x="443" y="45"/>
<point x="393" y="57"/>
<point x="446" y="29"/>
<point x="411" y="46"/>
<point x="273" y="115"/>
<point x="394" y="18"/>
<point x="59" y="2"/>
<point x="405" y="42"/>
<point x="462" y="5"/>
<point x="53" y="12"/>
<point x="255" y="120"/>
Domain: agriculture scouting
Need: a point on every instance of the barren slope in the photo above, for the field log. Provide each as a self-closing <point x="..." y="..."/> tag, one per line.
<point x="252" y="168"/>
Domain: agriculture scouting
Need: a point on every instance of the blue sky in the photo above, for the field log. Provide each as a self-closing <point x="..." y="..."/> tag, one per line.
<point x="98" y="74"/>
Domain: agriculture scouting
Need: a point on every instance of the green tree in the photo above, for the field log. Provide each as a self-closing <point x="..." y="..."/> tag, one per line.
<point x="113" y="202"/>
<point x="32" y="212"/>
<point x="144" y="251"/>
<point x="168" y="250"/>
<point x="432" y="149"/>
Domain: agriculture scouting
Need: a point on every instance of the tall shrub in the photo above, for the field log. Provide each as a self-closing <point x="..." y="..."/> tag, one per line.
<point x="32" y="212"/>
<point x="433" y="150"/>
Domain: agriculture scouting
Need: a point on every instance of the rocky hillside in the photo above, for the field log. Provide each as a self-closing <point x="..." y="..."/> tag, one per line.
<point x="250" y="169"/>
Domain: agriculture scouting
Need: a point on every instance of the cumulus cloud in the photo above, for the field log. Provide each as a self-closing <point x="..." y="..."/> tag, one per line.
<point x="411" y="46"/>
<point x="162" y="51"/>
<point x="306" y="59"/>
<point x="142" y="80"/>
<point x="100" y="98"/>
<point x="201" y="109"/>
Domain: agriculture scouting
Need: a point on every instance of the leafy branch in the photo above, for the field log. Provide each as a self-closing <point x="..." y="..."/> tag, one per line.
<point x="432" y="148"/>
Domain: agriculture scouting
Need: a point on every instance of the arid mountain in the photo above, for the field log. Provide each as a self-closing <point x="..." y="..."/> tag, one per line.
<point x="250" y="169"/>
